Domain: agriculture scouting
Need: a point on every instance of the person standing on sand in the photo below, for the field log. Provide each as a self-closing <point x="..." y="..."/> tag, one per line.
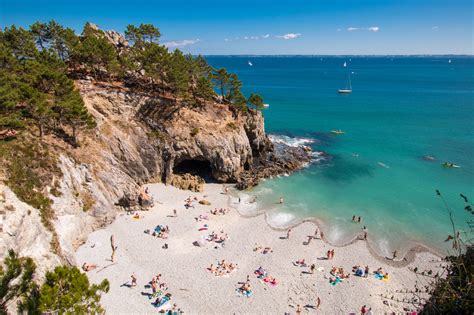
<point x="134" y="280"/>
<point x="321" y="235"/>
<point x="175" y="213"/>
<point x="311" y="269"/>
<point x="281" y="200"/>
<point x="394" y="254"/>
<point x="114" y="247"/>
<point x="353" y="218"/>
<point x="239" y="199"/>
<point x="298" y="309"/>
<point x="316" y="233"/>
<point x="310" y="238"/>
<point x="318" y="302"/>
<point x="288" y="234"/>
<point x="363" y="310"/>
<point x="332" y="254"/>
<point x="358" y="220"/>
<point x="328" y="254"/>
<point x="366" y="271"/>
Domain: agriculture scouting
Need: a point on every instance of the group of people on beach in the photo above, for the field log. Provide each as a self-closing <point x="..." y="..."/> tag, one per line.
<point x="220" y="211"/>
<point x="222" y="268"/>
<point x="330" y="254"/>
<point x="160" y="231"/>
<point x="265" y="277"/>
<point x="263" y="250"/>
<point x="218" y="237"/>
<point x="188" y="202"/>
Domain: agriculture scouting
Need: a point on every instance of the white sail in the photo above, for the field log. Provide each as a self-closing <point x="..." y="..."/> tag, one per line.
<point x="345" y="64"/>
<point x="250" y="64"/>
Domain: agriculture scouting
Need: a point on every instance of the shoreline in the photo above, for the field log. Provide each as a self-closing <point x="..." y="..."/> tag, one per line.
<point x="408" y="251"/>
<point x="195" y="290"/>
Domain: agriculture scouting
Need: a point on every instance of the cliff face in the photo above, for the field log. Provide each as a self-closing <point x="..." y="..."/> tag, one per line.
<point x="140" y="138"/>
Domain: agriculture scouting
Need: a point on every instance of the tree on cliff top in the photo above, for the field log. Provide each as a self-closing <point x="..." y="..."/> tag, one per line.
<point x="256" y="100"/>
<point x="145" y="33"/>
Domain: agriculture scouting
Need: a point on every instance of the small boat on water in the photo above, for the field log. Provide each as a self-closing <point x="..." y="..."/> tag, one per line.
<point x="338" y="132"/>
<point x="266" y="105"/>
<point x="250" y="64"/>
<point x="451" y="165"/>
<point x="348" y="89"/>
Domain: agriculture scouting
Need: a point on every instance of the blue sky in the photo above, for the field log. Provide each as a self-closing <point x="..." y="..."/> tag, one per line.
<point x="272" y="26"/>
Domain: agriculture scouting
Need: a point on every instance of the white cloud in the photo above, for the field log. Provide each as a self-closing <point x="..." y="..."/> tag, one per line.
<point x="434" y="27"/>
<point x="266" y="36"/>
<point x="181" y="43"/>
<point x="246" y="37"/>
<point x="370" y="29"/>
<point x="227" y="40"/>
<point x="289" y="36"/>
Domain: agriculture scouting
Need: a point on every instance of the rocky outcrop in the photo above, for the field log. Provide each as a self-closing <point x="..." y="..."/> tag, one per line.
<point x="141" y="137"/>
<point x="188" y="182"/>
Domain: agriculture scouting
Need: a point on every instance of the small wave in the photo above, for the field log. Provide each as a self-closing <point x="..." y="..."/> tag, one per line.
<point x="290" y="141"/>
<point x="280" y="219"/>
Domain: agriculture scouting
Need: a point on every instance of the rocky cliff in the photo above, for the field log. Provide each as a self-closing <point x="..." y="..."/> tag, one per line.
<point x="140" y="138"/>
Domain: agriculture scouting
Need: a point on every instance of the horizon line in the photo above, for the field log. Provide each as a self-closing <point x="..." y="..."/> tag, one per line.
<point x="338" y="55"/>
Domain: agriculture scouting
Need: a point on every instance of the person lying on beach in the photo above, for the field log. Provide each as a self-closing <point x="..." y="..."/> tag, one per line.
<point x="246" y="288"/>
<point x="300" y="263"/>
<point x="260" y="272"/>
<point x="136" y="216"/>
<point x="271" y="280"/>
<point x="88" y="267"/>
<point x="162" y="299"/>
<point x="263" y="250"/>
<point x="201" y="217"/>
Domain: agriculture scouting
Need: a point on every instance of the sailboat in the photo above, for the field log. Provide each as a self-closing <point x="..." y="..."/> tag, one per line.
<point x="250" y="64"/>
<point x="347" y="90"/>
<point x="449" y="61"/>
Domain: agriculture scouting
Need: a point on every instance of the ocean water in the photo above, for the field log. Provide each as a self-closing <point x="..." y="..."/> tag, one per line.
<point x="401" y="109"/>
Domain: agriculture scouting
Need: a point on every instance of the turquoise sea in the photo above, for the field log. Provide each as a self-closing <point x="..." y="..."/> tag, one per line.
<point x="401" y="109"/>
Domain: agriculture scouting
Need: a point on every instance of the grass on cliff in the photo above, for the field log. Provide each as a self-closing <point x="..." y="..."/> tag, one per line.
<point x="29" y="169"/>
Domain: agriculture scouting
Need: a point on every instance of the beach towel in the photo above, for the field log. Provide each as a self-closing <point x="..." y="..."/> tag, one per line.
<point x="336" y="281"/>
<point x="240" y="292"/>
<point x="378" y="276"/>
<point x="165" y="299"/>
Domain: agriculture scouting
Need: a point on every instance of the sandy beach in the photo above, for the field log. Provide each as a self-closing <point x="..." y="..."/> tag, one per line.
<point x="194" y="289"/>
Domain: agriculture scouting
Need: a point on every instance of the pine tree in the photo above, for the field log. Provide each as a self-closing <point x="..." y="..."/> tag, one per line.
<point x="16" y="280"/>
<point x="221" y="78"/>
<point x="256" y="100"/>
<point x="67" y="291"/>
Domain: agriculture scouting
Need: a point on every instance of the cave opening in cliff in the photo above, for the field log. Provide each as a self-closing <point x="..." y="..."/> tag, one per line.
<point x="197" y="167"/>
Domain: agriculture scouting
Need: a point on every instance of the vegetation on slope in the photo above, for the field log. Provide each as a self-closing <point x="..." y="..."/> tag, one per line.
<point x="65" y="290"/>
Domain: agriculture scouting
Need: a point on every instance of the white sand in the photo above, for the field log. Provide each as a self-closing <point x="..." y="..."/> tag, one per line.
<point x="195" y="290"/>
